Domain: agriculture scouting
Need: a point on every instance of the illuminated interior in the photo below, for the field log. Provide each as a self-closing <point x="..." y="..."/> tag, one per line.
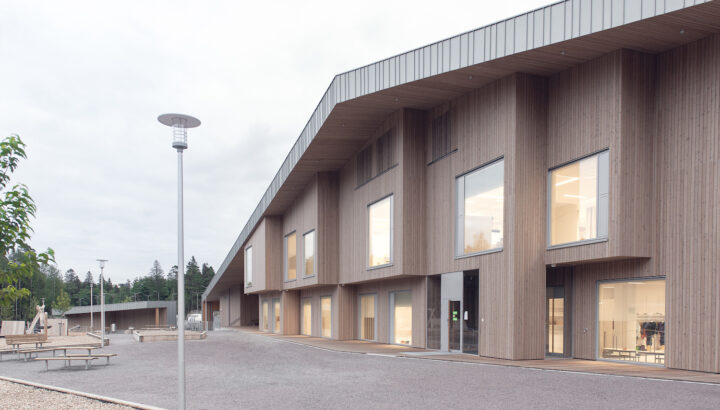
<point x="309" y="249"/>
<point x="276" y="313"/>
<point x="380" y="234"/>
<point x="631" y="320"/>
<point x="367" y="317"/>
<point x="326" y="313"/>
<point x="266" y="316"/>
<point x="480" y="213"/>
<point x="402" y="318"/>
<point x="573" y="202"/>
<point x="291" y="261"/>
<point x="306" y="317"/>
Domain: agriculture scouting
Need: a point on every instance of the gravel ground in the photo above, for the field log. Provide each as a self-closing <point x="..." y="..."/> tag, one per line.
<point x="20" y="396"/>
<point x="233" y="369"/>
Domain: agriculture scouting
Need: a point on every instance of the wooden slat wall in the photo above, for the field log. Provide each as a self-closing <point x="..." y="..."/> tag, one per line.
<point x="526" y="220"/>
<point x="301" y="217"/>
<point x="606" y="103"/>
<point x="290" y="307"/>
<point x="344" y="321"/>
<point x="687" y="175"/>
<point x="328" y="250"/>
<point x="414" y="248"/>
<point x="353" y="202"/>
<point x="273" y="252"/>
<point x="257" y="241"/>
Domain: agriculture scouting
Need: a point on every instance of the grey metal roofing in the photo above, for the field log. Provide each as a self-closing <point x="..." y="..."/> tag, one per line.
<point x="555" y="23"/>
<point x="110" y="307"/>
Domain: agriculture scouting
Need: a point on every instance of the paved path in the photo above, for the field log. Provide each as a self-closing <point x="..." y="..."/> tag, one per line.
<point x="243" y="370"/>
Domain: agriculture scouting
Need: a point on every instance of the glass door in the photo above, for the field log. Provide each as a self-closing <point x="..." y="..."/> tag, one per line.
<point x="555" y="320"/>
<point x="276" y="315"/>
<point x="454" y="325"/>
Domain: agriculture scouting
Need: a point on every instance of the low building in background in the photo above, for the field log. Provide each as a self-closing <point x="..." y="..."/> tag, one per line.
<point x="124" y="316"/>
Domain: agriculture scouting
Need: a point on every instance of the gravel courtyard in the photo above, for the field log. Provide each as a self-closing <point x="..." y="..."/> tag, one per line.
<point x="232" y="369"/>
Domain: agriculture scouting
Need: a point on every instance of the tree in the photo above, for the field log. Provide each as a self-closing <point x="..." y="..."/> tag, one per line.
<point x="62" y="302"/>
<point x="17" y="259"/>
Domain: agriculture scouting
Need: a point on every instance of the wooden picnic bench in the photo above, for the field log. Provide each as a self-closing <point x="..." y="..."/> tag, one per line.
<point x="16" y="340"/>
<point x="98" y="355"/>
<point x="67" y="359"/>
<point x="29" y="352"/>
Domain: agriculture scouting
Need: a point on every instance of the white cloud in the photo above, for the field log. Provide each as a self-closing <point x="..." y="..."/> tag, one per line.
<point x="83" y="82"/>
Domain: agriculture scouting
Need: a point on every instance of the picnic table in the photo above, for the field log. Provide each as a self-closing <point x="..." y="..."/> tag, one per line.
<point x="17" y="340"/>
<point x="29" y="352"/>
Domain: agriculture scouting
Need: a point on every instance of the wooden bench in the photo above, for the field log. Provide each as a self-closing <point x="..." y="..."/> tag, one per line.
<point x="16" y="340"/>
<point x="98" y="355"/>
<point x="67" y="359"/>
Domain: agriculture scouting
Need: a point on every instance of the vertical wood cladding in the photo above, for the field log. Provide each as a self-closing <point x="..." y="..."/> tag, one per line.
<point x="353" y="202"/>
<point x="687" y="175"/>
<point x="290" y="307"/>
<point x="607" y="103"/>
<point x="300" y="218"/>
<point x="328" y="251"/>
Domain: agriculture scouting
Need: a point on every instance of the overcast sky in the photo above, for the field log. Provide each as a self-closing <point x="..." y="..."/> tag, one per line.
<point x="82" y="83"/>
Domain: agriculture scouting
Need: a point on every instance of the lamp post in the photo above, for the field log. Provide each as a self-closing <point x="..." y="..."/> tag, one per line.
<point x="102" y="303"/>
<point x="91" y="310"/>
<point x="180" y="123"/>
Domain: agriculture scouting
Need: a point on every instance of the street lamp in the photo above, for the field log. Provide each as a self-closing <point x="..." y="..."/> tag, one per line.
<point x="180" y="123"/>
<point x="102" y="302"/>
<point x="91" y="310"/>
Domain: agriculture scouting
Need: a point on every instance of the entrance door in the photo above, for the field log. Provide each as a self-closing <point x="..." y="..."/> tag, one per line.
<point x="454" y="325"/>
<point x="555" y="320"/>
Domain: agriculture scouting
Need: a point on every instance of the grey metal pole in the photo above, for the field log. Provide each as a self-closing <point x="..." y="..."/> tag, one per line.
<point x="181" y="288"/>
<point x="102" y="309"/>
<point x="91" y="309"/>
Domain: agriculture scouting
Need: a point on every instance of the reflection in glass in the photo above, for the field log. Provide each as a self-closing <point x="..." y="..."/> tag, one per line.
<point x="291" y="252"/>
<point x="266" y="317"/>
<point x="480" y="209"/>
<point x="380" y="232"/>
<point x="276" y="313"/>
<point x="631" y="320"/>
<point x="434" y="321"/>
<point x="402" y="318"/>
<point x="306" y="317"/>
<point x="309" y="249"/>
<point x="573" y="202"/>
<point x="326" y="313"/>
<point x="367" y="317"/>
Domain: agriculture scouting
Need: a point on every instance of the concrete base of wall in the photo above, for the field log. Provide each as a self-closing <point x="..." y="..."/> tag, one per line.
<point x="165" y="335"/>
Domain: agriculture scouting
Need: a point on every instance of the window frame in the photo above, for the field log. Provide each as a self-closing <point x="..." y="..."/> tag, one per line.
<point x="375" y="315"/>
<point x="248" y="283"/>
<point x="598" y="356"/>
<point x="302" y="315"/>
<point x="331" y="316"/>
<point x="315" y="267"/>
<point x="285" y="257"/>
<point x="458" y="235"/>
<point x="391" y="319"/>
<point x="368" y="267"/>
<point x="603" y="161"/>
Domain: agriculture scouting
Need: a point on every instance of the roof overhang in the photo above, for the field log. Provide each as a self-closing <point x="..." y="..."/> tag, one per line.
<point x="542" y="42"/>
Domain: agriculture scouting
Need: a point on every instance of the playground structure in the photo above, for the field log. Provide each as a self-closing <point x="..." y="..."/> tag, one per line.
<point x="40" y="315"/>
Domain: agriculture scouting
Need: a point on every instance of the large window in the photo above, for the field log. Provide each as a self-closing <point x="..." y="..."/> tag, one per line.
<point x="306" y="327"/>
<point x="631" y="320"/>
<point x="248" y="267"/>
<point x="401" y="318"/>
<point x="480" y="200"/>
<point x="367" y="317"/>
<point x="326" y="313"/>
<point x="578" y="201"/>
<point x="291" y="256"/>
<point x="380" y="215"/>
<point x="309" y="253"/>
